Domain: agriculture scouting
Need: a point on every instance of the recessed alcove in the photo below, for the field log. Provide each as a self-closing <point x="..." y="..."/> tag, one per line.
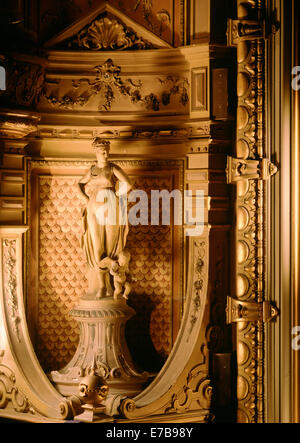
<point x="170" y="125"/>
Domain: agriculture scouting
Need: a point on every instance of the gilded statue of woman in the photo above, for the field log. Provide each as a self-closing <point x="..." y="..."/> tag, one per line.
<point x="104" y="218"/>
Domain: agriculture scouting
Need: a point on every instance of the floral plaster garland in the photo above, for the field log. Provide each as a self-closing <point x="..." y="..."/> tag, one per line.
<point x="10" y="280"/>
<point x="108" y="80"/>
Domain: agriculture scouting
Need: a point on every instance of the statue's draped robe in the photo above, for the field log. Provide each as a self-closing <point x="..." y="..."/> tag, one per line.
<point x="105" y="224"/>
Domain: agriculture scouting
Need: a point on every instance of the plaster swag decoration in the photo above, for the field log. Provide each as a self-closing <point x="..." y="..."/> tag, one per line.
<point x="108" y="81"/>
<point x="108" y="33"/>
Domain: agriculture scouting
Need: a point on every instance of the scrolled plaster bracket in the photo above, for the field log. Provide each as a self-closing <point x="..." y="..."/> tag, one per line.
<point x="240" y="311"/>
<point x="245" y="30"/>
<point x="239" y="169"/>
<point x="183" y="383"/>
<point x="26" y="392"/>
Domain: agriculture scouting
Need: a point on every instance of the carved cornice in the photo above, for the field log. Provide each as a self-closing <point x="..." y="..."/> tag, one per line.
<point x="45" y="164"/>
<point x="143" y="133"/>
<point x="17" y="125"/>
<point x="206" y="131"/>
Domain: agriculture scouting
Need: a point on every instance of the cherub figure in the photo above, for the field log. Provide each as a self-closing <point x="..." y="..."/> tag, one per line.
<point x="120" y="272"/>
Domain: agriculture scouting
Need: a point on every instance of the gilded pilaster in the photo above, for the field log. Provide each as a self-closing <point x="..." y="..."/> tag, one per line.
<point x="250" y="223"/>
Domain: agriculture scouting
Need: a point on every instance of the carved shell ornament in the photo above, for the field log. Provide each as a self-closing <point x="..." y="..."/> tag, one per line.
<point x="108" y="33"/>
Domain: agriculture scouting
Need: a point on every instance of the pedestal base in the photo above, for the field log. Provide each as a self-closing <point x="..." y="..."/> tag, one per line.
<point x="91" y="414"/>
<point x="102" y="350"/>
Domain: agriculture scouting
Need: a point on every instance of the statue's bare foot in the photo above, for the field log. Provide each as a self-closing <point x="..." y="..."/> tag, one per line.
<point x="100" y="293"/>
<point x="116" y="295"/>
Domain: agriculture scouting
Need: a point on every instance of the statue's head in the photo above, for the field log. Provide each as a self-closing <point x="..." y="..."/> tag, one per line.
<point x="99" y="144"/>
<point x="124" y="257"/>
<point x="101" y="148"/>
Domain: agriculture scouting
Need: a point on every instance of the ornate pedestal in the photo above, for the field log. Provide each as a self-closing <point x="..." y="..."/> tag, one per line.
<point x="102" y="350"/>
